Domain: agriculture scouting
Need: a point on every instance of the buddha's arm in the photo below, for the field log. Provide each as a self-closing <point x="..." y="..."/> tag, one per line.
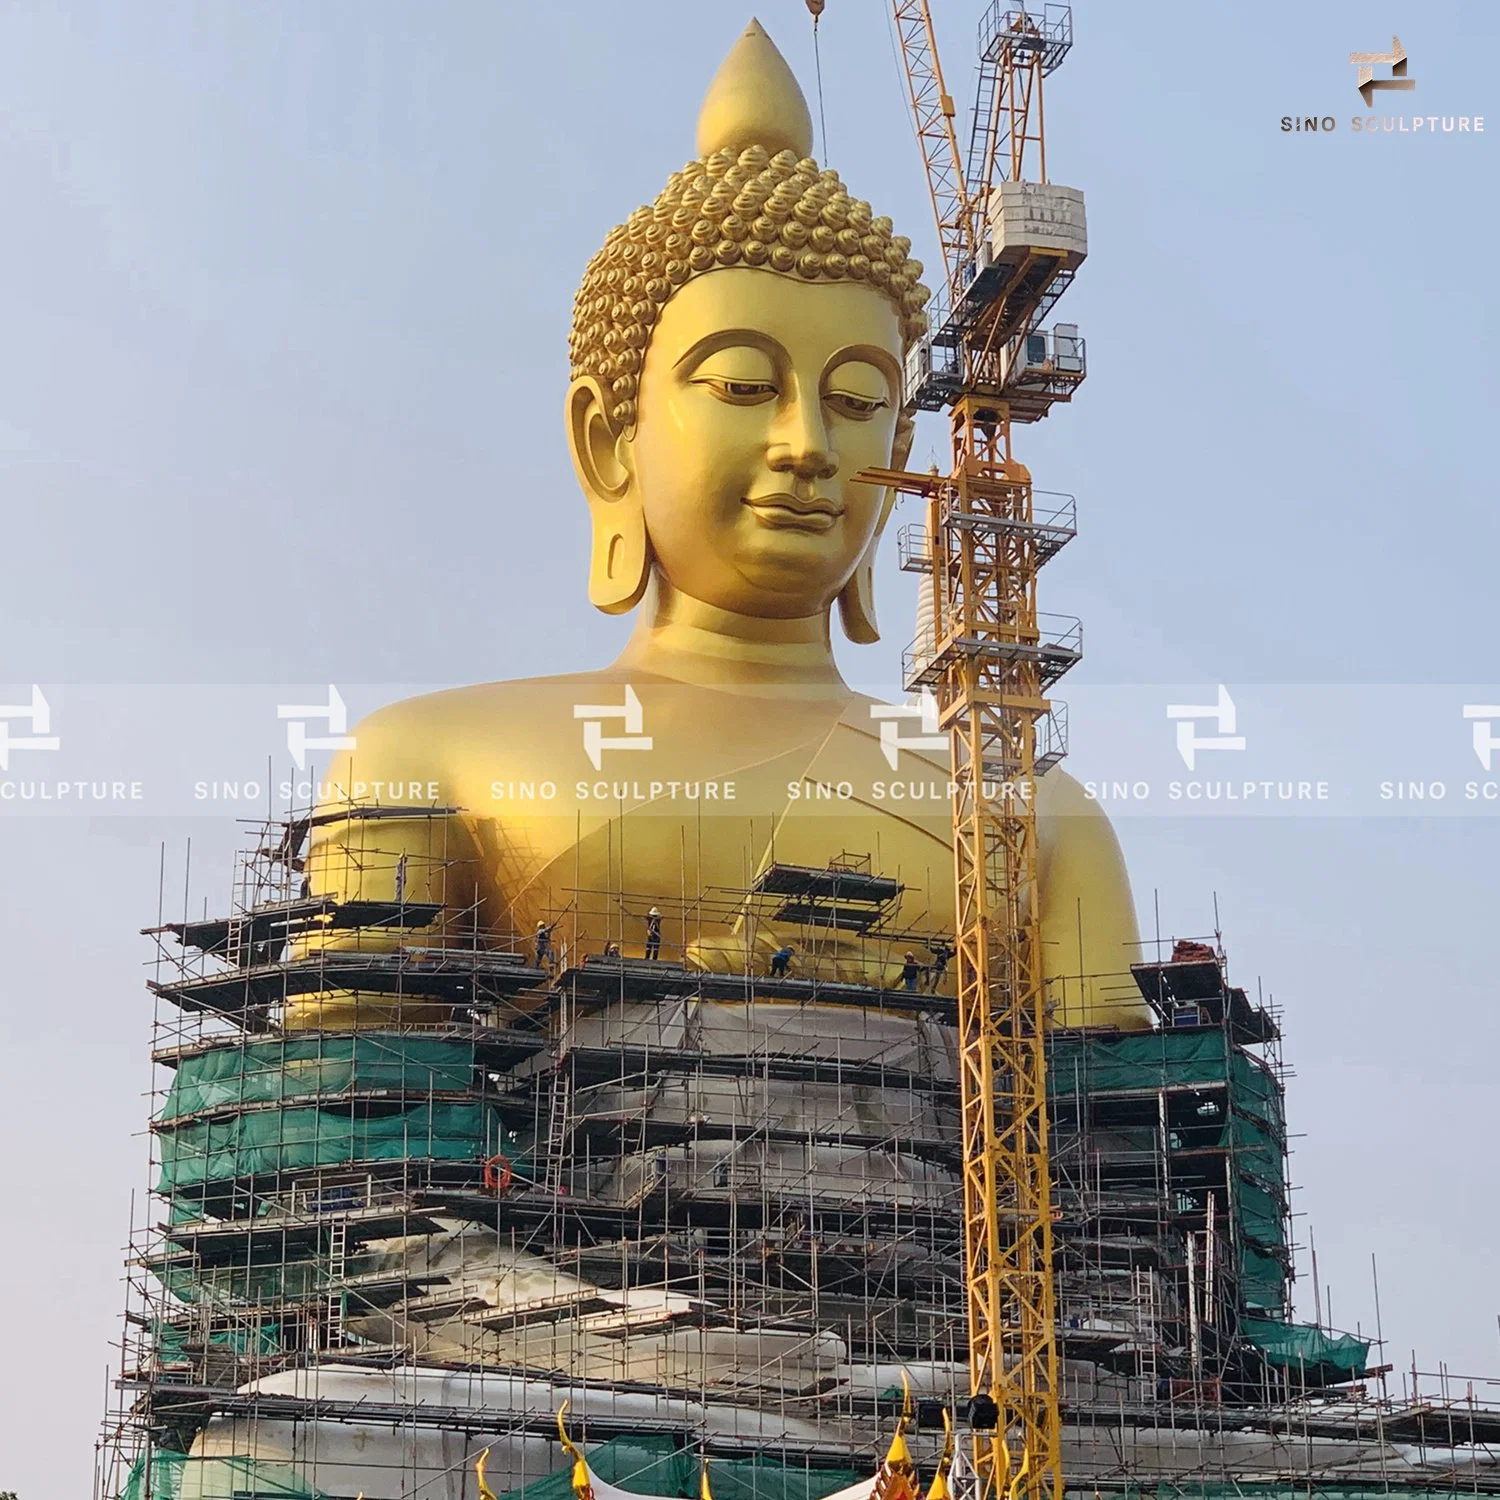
<point x="416" y="859"/>
<point x="1089" y="932"/>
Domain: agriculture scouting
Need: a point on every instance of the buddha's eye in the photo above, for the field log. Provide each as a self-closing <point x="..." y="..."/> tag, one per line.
<point x="737" y="392"/>
<point x="856" y="389"/>
<point x="857" y="408"/>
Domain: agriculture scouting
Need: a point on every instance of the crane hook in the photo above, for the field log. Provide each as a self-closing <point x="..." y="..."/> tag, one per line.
<point x="815" y="8"/>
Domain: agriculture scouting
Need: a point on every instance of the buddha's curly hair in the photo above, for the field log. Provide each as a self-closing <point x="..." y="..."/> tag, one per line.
<point x="745" y="208"/>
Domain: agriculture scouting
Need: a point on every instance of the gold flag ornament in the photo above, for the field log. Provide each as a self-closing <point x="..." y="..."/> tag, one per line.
<point x="896" y="1479"/>
<point x="583" y="1486"/>
<point x="485" y="1492"/>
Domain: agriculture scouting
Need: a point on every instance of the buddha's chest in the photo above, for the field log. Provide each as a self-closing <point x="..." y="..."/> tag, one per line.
<point x="699" y="813"/>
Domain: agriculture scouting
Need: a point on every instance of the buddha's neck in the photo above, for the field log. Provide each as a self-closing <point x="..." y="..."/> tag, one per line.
<point x="683" y="638"/>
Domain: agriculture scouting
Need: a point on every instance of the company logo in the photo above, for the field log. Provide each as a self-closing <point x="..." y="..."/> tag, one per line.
<point x="595" y="742"/>
<point x="333" y="713"/>
<point x="1367" y="62"/>
<point x="39" y="714"/>
<point x="1486" y="742"/>
<point x="1367" y="85"/>
<point x="1190" y="742"/>
<point x="890" y="717"/>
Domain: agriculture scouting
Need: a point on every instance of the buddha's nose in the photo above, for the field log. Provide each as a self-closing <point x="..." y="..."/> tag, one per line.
<point x="800" y="443"/>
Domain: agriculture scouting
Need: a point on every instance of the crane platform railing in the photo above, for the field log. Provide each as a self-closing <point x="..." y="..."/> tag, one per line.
<point x="1054" y="647"/>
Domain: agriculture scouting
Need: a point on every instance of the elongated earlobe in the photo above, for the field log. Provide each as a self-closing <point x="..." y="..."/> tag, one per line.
<point x="620" y="565"/>
<point x="857" y="603"/>
<point x="620" y="559"/>
<point x="857" y="597"/>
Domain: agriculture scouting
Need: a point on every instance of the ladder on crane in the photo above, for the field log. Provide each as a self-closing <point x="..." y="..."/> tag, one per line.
<point x="1010" y="247"/>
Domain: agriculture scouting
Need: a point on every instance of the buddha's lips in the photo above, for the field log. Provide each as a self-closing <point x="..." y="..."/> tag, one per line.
<point x="795" y="512"/>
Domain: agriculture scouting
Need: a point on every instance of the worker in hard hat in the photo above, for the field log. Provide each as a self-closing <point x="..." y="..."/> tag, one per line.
<point x="780" y="960"/>
<point x="653" y="933"/>
<point x="911" y="972"/>
<point x="543" y="943"/>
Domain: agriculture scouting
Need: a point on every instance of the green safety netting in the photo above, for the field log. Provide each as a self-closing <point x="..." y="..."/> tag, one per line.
<point x="1254" y="1130"/>
<point x="279" y="1140"/>
<point x="1257" y="1091"/>
<point x="657" y="1466"/>
<point x="264" y="1072"/>
<point x="160" y="1475"/>
<point x="1153" y="1059"/>
<point x="1319" y="1356"/>
<point x="268" y="1281"/>
<point x="1261" y="1216"/>
<point x="170" y="1344"/>
<point x="643" y="1466"/>
<point x="1165" y="1489"/>
<point x="1262" y="1279"/>
<point x="1257" y="1153"/>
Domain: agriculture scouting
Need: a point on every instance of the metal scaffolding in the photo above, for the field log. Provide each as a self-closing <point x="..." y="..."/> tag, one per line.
<point x="415" y="1188"/>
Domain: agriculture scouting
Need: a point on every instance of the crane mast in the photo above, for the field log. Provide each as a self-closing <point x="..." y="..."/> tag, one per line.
<point x="1010" y="247"/>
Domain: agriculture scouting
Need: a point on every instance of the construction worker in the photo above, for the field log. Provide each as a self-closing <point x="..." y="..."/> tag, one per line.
<point x="544" y="945"/>
<point x="941" y="953"/>
<point x="779" y="961"/>
<point x="612" y="950"/>
<point x="653" y="933"/>
<point x="911" y="972"/>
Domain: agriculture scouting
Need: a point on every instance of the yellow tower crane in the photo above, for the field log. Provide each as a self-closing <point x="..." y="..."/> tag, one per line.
<point x="1010" y="248"/>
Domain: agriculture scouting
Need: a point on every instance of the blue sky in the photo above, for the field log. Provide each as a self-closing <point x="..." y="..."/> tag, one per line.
<point x="285" y="294"/>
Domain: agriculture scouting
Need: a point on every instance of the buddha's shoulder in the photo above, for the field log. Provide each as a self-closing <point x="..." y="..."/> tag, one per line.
<point x="513" y="722"/>
<point x="1059" y="795"/>
<point x="1074" y="830"/>
<point x="483" y="701"/>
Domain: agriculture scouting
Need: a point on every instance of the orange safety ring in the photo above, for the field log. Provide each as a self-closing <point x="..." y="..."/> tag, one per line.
<point x="497" y="1174"/>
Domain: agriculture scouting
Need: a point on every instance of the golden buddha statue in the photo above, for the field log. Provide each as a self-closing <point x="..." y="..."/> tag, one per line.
<point x="737" y="352"/>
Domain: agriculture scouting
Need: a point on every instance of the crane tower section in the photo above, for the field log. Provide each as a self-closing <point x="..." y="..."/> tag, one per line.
<point x="1011" y="246"/>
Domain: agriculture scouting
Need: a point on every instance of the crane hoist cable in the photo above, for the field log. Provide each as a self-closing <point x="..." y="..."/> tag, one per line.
<point x="816" y="8"/>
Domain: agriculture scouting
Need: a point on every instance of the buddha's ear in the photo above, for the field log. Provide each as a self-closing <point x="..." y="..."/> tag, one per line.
<point x="857" y="597"/>
<point x="620" y="559"/>
<point x="906" y="433"/>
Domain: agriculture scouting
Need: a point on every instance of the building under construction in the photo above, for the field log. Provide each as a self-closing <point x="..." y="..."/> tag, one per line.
<point x="436" y="1179"/>
<point x="716" y="1215"/>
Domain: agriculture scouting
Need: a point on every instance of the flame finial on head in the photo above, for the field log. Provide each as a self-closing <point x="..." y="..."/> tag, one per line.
<point x="754" y="100"/>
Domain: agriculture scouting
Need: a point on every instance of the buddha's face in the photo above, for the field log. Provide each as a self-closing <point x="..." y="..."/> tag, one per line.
<point x="761" y="398"/>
